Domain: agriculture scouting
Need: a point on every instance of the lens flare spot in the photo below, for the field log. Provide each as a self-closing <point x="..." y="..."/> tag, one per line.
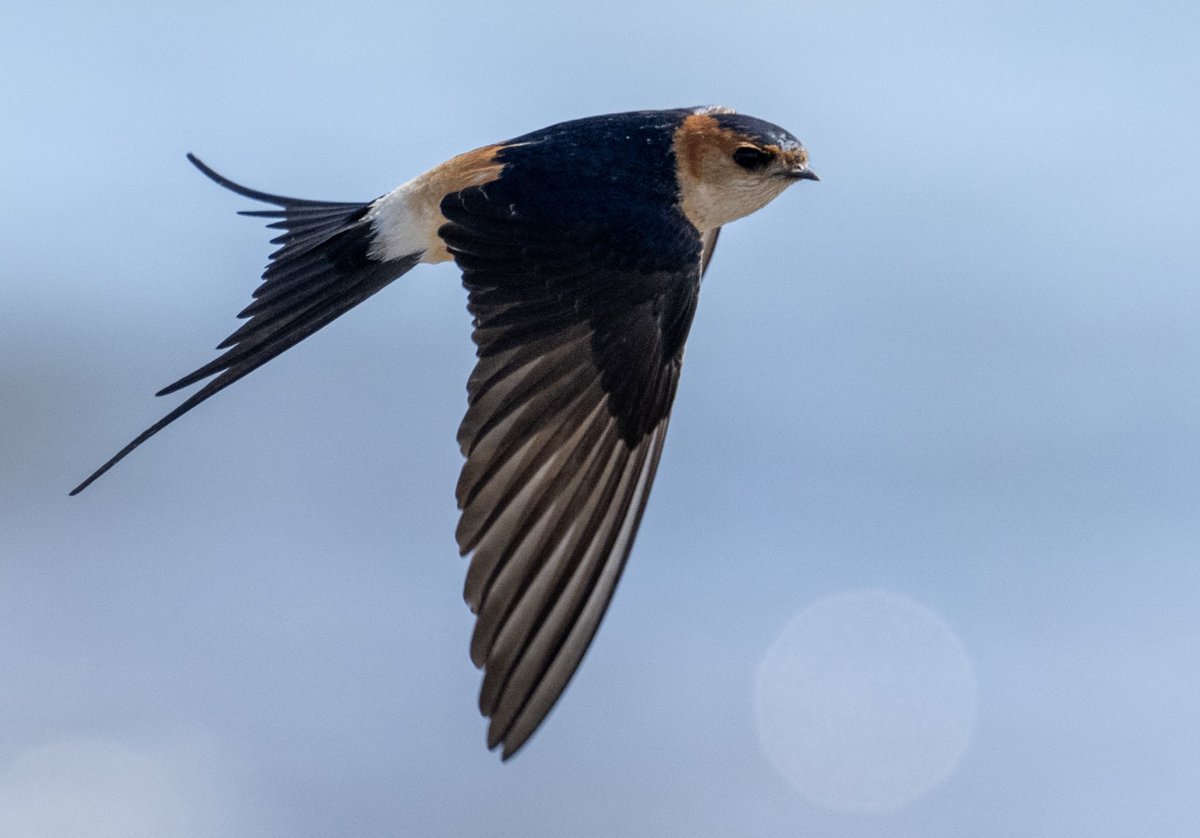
<point x="866" y="701"/>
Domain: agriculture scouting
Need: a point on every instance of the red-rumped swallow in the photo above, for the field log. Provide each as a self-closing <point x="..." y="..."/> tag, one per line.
<point x="582" y="247"/>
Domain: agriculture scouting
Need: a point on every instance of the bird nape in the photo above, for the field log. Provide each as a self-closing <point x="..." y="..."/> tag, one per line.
<point x="582" y="246"/>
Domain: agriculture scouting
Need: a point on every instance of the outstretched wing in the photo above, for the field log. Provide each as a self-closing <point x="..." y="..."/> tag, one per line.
<point x="580" y="322"/>
<point x="322" y="269"/>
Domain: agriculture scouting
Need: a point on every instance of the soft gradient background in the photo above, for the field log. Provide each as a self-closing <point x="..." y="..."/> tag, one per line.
<point x="963" y="367"/>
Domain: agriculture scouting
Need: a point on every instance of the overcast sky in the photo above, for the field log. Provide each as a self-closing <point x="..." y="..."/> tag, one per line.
<point x="960" y="372"/>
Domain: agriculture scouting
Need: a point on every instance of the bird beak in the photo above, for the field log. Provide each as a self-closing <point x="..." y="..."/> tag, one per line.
<point x="803" y="173"/>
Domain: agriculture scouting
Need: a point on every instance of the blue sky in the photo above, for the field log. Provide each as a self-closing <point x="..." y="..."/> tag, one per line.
<point x="961" y="369"/>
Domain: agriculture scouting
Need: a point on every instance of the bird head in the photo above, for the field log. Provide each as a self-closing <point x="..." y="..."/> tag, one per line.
<point x="730" y="164"/>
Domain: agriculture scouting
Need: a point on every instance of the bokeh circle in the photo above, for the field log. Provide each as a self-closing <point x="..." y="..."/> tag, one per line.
<point x="866" y="701"/>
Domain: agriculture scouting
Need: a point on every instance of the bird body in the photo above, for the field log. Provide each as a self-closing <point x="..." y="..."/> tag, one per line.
<point x="582" y="246"/>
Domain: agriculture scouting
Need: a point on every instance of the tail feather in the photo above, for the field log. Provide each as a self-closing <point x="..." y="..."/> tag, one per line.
<point x="322" y="269"/>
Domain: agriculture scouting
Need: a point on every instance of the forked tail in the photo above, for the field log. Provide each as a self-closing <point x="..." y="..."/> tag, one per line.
<point x="322" y="269"/>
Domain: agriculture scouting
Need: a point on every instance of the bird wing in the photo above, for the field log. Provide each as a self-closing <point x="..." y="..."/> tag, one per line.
<point x="580" y="322"/>
<point x="709" y="243"/>
<point x="322" y="269"/>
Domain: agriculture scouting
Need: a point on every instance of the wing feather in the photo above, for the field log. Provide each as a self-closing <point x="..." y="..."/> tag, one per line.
<point x="549" y="592"/>
<point x="554" y="674"/>
<point x="580" y="330"/>
<point x="554" y="629"/>
<point x="526" y="541"/>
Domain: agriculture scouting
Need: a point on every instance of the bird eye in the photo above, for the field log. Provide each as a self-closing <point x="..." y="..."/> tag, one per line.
<point x="751" y="157"/>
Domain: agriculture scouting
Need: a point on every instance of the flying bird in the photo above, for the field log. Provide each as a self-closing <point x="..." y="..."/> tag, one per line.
<point x="582" y="247"/>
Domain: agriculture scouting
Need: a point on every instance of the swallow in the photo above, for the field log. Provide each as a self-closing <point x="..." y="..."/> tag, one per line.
<point x="582" y="247"/>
